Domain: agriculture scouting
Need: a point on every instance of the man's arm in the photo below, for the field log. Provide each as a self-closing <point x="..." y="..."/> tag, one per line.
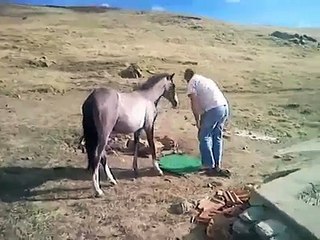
<point x="195" y="108"/>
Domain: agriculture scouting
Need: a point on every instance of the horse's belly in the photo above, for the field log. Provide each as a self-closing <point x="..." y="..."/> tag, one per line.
<point x="129" y="124"/>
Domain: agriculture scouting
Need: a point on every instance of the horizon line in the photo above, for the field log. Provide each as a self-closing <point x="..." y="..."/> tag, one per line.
<point x="166" y="11"/>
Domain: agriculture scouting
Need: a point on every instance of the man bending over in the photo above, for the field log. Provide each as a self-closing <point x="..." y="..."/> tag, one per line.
<point x="210" y="109"/>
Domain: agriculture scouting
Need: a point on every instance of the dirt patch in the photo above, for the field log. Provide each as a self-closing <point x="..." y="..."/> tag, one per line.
<point x="87" y="66"/>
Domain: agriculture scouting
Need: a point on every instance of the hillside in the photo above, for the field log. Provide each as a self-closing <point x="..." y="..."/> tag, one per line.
<point x="51" y="58"/>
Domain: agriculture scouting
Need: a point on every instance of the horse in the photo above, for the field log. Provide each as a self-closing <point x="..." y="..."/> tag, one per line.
<point x="107" y="111"/>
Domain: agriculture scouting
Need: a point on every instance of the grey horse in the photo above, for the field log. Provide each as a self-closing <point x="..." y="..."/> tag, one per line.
<point x="107" y="111"/>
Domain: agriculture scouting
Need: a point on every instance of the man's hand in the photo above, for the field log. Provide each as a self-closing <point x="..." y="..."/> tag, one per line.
<point x="198" y="124"/>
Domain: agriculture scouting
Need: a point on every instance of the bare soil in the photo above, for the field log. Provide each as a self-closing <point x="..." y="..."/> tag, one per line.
<point x="51" y="58"/>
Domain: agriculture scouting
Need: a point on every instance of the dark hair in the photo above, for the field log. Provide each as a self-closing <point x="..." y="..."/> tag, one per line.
<point x="189" y="72"/>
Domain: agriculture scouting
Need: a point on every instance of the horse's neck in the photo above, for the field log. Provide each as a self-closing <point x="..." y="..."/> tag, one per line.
<point x="154" y="94"/>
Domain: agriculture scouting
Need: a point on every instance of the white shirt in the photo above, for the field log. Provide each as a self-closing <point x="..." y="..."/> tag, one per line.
<point x="207" y="92"/>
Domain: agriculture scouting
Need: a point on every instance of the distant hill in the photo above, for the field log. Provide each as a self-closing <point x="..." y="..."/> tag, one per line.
<point x="87" y="9"/>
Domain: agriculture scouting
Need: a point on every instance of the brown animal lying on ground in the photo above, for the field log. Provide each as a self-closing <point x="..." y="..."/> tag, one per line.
<point x="132" y="71"/>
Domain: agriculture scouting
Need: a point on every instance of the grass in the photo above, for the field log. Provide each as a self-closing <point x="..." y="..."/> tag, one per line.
<point x="26" y="221"/>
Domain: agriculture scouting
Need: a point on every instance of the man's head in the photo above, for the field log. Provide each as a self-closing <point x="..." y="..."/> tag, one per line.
<point x="188" y="74"/>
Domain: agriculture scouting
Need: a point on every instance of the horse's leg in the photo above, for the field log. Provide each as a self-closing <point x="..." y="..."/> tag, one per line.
<point x="101" y="153"/>
<point x="90" y="147"/>
<point x="81" y="144"/>
<point x="95" y="179"/>
<point x="103" y="163"/>
<point x="150" y="138"/>
<point x="107" y="170"/>
<point x="136" y="137"/>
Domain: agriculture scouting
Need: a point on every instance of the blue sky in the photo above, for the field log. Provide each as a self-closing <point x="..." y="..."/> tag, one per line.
<point x="292" y="13"/>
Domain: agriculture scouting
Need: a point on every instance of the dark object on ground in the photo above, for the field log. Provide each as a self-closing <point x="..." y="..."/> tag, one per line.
<point x="294" y="38"/>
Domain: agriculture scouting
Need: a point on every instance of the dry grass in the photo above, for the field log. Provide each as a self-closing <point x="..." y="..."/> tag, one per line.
<point x="50" y="60"/>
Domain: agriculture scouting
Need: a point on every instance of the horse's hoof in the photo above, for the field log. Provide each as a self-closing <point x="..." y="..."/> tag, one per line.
<point x="99" y="194"/>
<point x="114" y="183"/>
<point x="160" y="172"/>
<point x="135" y="174"/>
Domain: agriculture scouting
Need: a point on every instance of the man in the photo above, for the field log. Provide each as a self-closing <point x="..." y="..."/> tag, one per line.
<point x="210" y="109"/>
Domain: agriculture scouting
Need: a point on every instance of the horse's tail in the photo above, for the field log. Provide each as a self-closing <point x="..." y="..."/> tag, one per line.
<point x="90" y="134"/>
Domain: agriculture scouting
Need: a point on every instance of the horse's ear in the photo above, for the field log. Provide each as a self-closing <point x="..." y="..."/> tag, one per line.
<point x="171" y="76"/>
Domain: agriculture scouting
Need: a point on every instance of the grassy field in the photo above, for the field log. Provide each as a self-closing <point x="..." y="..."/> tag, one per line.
<point x="51" y="58"/>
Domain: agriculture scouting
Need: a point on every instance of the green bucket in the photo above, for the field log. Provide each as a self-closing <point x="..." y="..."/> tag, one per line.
<point x="180" y="163"/>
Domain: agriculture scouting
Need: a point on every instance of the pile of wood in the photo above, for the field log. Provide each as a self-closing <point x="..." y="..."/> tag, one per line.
<point x="219" y="211"/>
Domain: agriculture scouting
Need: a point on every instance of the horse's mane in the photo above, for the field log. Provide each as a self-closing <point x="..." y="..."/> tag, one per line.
<point x="153" y="80"/>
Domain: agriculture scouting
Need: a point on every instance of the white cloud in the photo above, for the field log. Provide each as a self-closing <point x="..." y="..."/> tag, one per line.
<point x="105" y="5"/>
<point x="157" y="9"/>
<point x="232" y="1"/>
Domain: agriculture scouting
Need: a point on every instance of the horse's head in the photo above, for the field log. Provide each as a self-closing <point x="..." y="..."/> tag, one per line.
<point x="170" y="91"/>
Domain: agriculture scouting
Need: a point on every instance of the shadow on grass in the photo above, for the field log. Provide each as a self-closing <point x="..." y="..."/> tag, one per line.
<point x="16" y="183"/>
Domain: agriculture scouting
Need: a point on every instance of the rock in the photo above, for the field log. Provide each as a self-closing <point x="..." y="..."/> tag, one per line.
<point x="302" y="41"/>
<point x="250" y="186"/>
<point x="209" y="185"/>
<point x="188" y="62"/>
<point x="283" y="35"/>
<point x="181" y="207"/>
<point x="294" y="38"/>
<point x="253" y="214"/>
<point x="297" y="125"/>
<point x="311" y="39"/>
<point x="40" y="62"/>
<point x="270" y="228"/>
<point x="284" y="236"/>
<point x="17" y="96"/>
<point x="150" y="71"/>
<point x="182" y="17"/>
<point x="218" y="227"/>
<point x="287" y="158"/>
<point x="277" y="156"/>
<point x="270" y="113"/>
<point x="306" y="111"/>
<point x="302" y="133"/>
<point x="241" y="228"/>
<point x="287" y="134"/>
<point x="245" y="148"/>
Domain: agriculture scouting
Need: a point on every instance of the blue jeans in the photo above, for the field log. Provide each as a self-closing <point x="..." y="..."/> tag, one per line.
<point x="211" y="135"/>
